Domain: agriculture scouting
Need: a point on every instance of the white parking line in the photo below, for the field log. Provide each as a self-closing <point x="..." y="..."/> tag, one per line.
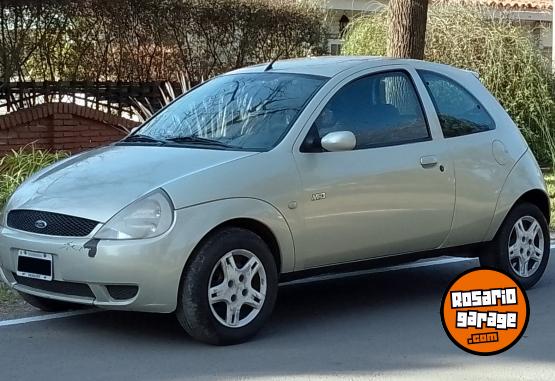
<point x="33" y="319"/>
<point x="426" y="263"/>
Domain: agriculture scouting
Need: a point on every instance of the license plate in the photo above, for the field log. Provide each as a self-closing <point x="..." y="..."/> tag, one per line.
<point x="32" y="264"/>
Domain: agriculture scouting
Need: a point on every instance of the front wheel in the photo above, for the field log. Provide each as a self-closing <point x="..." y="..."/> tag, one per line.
<point x="229" y="288"/>
<point x="521" y="247"/>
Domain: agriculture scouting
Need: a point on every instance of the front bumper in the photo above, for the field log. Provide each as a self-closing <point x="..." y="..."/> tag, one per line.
<point x="152" y="267"/>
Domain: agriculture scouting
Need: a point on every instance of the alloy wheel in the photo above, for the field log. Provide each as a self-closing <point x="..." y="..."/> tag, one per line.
<point x="526" y="246"/>
<point x="237" y="288"/>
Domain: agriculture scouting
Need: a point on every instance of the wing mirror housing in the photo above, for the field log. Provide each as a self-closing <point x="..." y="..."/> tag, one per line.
<point x="339" y="141"/>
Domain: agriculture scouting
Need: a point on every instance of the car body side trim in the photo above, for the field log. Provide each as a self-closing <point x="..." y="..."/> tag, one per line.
<point x="465" y="251"/>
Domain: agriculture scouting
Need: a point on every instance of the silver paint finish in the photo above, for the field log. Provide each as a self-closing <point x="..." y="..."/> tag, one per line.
<point x="369" y="195"/>
<point x="379" y="201"/>
<point x="112" y="177"/>
<point x="525" y="176"/>
<point x="500" y="152"/>
<point x="479" y="177"/>
<point x="339" y="141"/>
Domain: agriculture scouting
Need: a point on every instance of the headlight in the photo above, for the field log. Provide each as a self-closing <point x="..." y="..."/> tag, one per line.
<point x="147" y="217"/>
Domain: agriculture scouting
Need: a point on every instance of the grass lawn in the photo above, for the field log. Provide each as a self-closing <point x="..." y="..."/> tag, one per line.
<point x="7" y="296"/>
<point x="11" y="304"/>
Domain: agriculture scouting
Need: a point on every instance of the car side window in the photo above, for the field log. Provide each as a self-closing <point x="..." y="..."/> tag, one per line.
<point x="380" y="110"/>
<point x="459" y="112"/>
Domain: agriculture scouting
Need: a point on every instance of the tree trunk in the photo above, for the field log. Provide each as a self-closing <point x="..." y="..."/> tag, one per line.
<point x="407" y="28"/>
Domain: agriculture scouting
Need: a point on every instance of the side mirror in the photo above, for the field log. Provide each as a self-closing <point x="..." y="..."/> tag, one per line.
<point x="339" y="141"/>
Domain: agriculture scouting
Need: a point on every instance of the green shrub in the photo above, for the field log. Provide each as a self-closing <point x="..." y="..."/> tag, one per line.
<point x="550" y="183"/>
<point x="146" y="40"/>
<point x="505" y="55"/>
<point x="18" y="165"/>
<point x="8" y="297"/>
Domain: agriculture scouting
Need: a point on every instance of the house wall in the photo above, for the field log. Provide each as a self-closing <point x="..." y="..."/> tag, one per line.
<point x="355" y="5"/>
<point x="61" y="126"/>
<point x="546" y="38"/>
<point x="538" y="20"/>
<point x="334" y="15"/>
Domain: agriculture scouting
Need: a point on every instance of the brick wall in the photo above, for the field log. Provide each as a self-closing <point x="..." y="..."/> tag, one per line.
<point x="61" y="126"/>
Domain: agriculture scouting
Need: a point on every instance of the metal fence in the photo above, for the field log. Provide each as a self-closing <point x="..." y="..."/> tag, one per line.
<point x="111" y="97"/>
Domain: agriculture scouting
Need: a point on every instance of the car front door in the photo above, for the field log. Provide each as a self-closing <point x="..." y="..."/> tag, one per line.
<point x="393" y="193"/>
<point x="482" y="154"/>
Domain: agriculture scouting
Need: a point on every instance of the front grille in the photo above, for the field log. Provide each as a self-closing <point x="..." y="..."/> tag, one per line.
<point x="66" y="288"/>
<point x="55" y="223"/>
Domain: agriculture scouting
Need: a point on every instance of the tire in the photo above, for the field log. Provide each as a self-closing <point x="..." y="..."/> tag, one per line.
<point x="236" y="285"/>
<point x="498" y="252"/>
<point x="47" y="305"/>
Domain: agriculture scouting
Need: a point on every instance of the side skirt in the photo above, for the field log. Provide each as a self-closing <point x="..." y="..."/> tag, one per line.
<point x="465" y="251"/>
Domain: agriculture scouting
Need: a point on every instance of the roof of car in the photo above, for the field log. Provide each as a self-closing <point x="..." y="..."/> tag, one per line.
<point x="327" y="66"/>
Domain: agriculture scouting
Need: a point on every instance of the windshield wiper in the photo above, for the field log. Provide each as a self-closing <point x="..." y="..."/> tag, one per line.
<point x="144" y="139"/>
<point x="198" y="140"/>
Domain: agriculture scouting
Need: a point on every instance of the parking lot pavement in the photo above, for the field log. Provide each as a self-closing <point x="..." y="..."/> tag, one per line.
<point x="377" y="326"/>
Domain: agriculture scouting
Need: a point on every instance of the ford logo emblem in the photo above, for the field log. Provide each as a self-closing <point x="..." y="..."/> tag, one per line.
<point x="40" y="224"/>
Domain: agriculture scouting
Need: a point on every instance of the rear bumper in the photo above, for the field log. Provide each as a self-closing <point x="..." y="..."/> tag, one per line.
<point x="148" y="271"/>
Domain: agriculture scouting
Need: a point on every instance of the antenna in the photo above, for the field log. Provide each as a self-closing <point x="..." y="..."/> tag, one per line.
<point x="271" y="64"/>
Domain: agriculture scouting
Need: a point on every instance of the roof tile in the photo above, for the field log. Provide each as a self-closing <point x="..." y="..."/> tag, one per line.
<point x="530" y="5"/>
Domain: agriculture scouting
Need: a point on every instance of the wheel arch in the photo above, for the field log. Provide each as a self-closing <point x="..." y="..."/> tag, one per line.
<point x="535" y="197"/>
<point x="255" y="226"/>
<point x="539" y="198"/>
<point x="258" y="216"/>
<point x="525" y="183"/>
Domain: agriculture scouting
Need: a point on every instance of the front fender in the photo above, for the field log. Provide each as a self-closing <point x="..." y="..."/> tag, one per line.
<point x="199" y="220"/>
<point x="525" y="176"/>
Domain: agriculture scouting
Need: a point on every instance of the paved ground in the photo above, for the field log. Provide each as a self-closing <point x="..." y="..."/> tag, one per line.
<point x="377" y="326"/>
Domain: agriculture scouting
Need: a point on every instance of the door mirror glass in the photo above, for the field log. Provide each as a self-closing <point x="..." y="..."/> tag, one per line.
<point x="339" y="141"/>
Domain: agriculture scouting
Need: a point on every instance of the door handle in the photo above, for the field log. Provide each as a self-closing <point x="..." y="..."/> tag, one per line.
<point x="428" y="161"/>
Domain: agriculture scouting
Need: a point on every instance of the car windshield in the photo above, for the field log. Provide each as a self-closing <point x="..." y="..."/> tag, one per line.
<point x="238" y="111"/>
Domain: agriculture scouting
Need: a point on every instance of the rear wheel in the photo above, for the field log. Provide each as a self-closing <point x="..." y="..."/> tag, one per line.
<point x="47" y="305"/>
<point x="229" y="288"/>
<point x="521" y="247"/>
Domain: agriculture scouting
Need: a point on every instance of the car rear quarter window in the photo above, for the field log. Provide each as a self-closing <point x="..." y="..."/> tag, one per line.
<point x="380" y="110"/>
<point x="459" y="112"/>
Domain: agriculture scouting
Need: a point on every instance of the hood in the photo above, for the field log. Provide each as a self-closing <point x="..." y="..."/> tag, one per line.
<point x="99" y="183"/>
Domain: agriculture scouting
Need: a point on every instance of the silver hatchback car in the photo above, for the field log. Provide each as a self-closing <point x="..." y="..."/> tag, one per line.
<point x="275" y="172"/>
